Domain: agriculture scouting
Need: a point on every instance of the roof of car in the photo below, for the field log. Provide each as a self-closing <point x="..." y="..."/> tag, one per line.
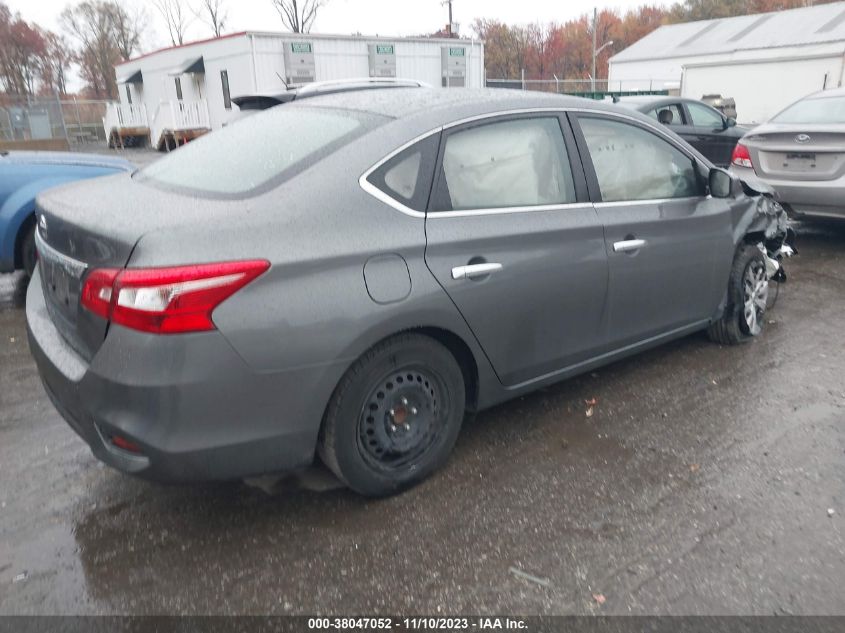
<point x="267" y="100"/>
<point x="407" y="102"/>
<point x="834" y="92"/>
<point x="652" y="99"/>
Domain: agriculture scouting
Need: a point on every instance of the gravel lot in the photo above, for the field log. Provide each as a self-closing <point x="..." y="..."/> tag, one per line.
<point x="708" y="481"/>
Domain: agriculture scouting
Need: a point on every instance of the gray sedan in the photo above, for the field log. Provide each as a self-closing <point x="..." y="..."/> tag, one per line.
<point x="800" y="152"/>
<point x="347" y="276"/>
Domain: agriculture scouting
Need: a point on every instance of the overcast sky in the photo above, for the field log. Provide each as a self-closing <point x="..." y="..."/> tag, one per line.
<point x="369" y="17"/>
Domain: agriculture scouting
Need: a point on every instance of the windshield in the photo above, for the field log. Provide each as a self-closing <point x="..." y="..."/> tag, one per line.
<point x="818" y="110"/>
<point x="257" y="152"/>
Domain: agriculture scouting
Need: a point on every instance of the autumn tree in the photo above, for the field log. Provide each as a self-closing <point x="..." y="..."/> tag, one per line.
<point x="570" y="52"/>
<point x="506" y="48"/>
<point x="22" y="53"/>
<point x="636" y="24"/>
<point x="298" y="15"/>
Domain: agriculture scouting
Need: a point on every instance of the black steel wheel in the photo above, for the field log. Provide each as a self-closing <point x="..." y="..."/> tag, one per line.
<point x="401" y="419"/>
<point x="395" y="415"/>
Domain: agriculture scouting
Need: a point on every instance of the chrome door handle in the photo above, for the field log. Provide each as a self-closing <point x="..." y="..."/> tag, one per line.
<point x="473" y="271"/>
<point x="628" y="245"/>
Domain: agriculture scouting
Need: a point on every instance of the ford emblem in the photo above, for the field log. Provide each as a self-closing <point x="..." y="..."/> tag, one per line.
<point x="802" y="138"/>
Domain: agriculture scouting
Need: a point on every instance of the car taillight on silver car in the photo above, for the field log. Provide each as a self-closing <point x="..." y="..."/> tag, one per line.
<point x="166" y="300"/>
<point x="741" y="157"/>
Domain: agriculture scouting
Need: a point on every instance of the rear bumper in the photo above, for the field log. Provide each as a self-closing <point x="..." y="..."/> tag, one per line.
<point x="820" y="198"/>
<point x="191" y="404"/>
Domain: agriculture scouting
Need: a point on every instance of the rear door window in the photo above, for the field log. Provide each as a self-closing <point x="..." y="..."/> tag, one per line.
<point x="668" y="114"/>
<point x="514" y="163"/>
<point x="256" y="153"/>
<point x="632" y="163"/>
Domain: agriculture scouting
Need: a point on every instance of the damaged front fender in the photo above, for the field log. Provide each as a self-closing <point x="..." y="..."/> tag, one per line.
<point x="760" y="219"/>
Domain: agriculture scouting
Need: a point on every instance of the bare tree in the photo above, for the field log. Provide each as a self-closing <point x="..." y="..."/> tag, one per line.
<point x="177" y="16"/>
<point x="128" y="27"/>
<point x="57" y="59"/>
<point x="298" y="15"/>
<point x="214" y="14"/>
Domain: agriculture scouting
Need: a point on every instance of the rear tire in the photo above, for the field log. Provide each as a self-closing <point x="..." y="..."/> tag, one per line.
<point x="29" y="257"/>
<point x="745" y="312"/>
<point x="395" y="416"/>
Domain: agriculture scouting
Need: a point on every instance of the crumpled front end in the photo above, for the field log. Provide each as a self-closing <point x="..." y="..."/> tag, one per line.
<point x="766" y="220"/>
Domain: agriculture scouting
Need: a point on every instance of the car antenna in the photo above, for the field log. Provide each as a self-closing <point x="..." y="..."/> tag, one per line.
<point x="287" y="87"/>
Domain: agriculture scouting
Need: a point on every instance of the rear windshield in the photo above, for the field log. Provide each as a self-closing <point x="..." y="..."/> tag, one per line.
<point x="256" y="153"/>
<point x="819" y="110"/>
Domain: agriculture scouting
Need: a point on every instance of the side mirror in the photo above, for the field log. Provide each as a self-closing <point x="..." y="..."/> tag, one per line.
<point x="730" y="122"/>
<point x="720" y="183"/>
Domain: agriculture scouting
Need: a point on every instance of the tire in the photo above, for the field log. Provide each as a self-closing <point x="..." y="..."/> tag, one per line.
<point x="748" y="287"/>
<point x="28" y="253"/>
<point x="395" y="416"/>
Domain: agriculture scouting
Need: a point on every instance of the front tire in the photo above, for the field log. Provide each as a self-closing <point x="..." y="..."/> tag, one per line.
<point x="748" y="291"/>
<point x="395" y="416"/>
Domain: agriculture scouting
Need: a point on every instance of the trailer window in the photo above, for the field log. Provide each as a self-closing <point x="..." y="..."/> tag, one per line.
<point x="179" y="88"/>
<point x="257" y="153"/>
<point x="227" y="99"/>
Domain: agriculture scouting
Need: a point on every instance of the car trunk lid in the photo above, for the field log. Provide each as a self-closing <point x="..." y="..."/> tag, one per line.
<point x="798" y="155"/>
<point x="97" y="224"/>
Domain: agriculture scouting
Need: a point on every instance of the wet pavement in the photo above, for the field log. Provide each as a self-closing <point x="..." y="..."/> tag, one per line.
<point x="701" y="484"/>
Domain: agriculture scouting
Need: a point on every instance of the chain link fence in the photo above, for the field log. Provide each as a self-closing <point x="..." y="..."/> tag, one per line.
<point x="25" y="119"/>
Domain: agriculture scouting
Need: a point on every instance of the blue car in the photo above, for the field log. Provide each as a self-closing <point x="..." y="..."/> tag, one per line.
<point x="23" y="175"/>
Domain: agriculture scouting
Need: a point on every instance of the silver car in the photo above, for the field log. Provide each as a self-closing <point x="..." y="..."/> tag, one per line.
<point x="348" y="275"/>
<point x="800" y="152"/>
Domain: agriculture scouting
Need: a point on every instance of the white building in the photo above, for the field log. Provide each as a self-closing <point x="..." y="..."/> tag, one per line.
<point x="180" y="92"/>
<point x="764" y="61"/>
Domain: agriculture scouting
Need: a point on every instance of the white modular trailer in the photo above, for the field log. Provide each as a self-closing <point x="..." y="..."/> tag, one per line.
<point x="764" y="61"/>
<point x="194" y="83"/>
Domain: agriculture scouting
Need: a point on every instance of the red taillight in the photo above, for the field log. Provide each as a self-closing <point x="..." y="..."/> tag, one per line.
<point x="97" y="291"/>
<point x="741" y="157"/>
<point x="166" y="300"/>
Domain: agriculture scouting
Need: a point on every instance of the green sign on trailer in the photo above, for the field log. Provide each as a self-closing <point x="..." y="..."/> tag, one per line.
<point x="384" y="49"/>
<point x="457" y="52"/>
<point x="300" y="47"/>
